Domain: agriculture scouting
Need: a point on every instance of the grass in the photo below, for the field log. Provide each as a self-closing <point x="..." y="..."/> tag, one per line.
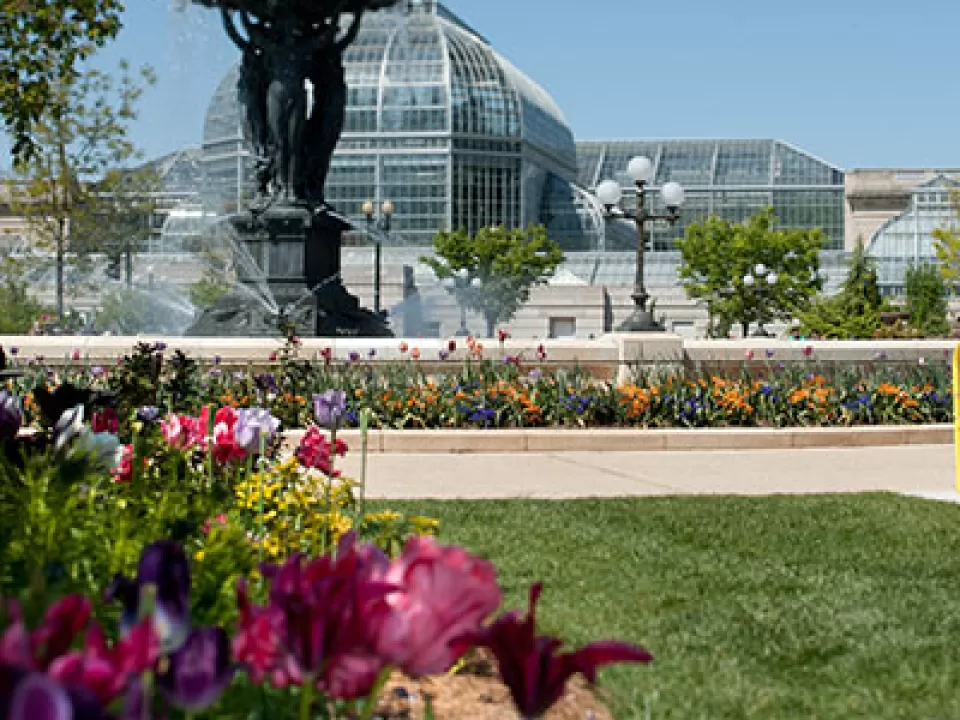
<point x="814" y="607"/>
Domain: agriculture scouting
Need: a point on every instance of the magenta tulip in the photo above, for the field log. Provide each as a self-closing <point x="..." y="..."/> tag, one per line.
<point x="530" y="666"/>
<point x="326" y="605"/>
<point x="444" y="593"/>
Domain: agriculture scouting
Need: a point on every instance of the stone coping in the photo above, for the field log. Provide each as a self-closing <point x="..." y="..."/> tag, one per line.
<point x="637" y="440"/>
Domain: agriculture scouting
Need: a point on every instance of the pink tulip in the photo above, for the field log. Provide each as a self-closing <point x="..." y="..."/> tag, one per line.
<point x="749" y="355"/>
<point x="444" y="594"/>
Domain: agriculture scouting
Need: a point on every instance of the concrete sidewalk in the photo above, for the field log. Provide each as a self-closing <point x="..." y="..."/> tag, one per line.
<point x="908" y="469"/>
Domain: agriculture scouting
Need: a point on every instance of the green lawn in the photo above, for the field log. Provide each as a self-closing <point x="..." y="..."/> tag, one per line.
<point x="817" y="607"/>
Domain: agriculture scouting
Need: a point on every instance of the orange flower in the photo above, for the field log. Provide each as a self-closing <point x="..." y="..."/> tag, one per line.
<point x="415" y="353"/>
<point x="404" y="347"/>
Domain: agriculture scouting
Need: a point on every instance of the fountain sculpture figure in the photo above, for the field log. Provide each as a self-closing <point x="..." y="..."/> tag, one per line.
<point x="293" y="235"/>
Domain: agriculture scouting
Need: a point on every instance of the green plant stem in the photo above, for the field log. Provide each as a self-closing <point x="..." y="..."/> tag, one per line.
<point x="306" y="698"/>
<point x="364" y="437"/>
<point x="210" y="431"/>
<point x="370" y="705"/>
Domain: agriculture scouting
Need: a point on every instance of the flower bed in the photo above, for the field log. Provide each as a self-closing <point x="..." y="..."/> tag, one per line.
<point x="271" y="585"/>
<point x="518" y="394"/>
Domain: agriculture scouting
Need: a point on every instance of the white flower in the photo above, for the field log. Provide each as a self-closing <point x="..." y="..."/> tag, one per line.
<point x="69" y="426"/>
<point x="102" y="449"/>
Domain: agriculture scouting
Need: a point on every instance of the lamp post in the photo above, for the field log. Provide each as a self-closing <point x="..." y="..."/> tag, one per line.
<point x="386" y="213"/>
<point x="609" y="192"/>
<point x="758" y="283"/>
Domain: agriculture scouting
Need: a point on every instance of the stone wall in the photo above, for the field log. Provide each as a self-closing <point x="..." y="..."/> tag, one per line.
<point x="608" y="356"/>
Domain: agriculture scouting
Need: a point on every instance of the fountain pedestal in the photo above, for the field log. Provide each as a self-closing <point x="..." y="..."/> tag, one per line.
<point x="296" y="253"/>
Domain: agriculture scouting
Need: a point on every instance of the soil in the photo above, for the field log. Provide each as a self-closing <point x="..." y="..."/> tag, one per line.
<point x="476" y="693"/>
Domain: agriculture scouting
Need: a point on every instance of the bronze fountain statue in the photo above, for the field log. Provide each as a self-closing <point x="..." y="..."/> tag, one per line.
<point x="289" y="230"/>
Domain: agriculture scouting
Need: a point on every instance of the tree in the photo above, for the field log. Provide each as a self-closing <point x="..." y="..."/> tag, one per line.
<point x="927" y="300"/>
<point x="73" y="189"/>
<point x="18" y="310"/>
<point x="41" y="44"/>
<point x="947" y="246"/>
<point x="855" y="311"/>
<point x="717" y="255"/>
<point x="493" y="271"/>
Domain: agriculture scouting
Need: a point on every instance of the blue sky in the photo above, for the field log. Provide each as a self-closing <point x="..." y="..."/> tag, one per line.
<point x="860" y="83"/>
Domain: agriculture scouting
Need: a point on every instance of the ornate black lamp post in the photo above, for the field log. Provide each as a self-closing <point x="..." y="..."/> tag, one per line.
<point x="762" y="280"/>
<point x="640" y="169"/>
<point x="386" y="211"/>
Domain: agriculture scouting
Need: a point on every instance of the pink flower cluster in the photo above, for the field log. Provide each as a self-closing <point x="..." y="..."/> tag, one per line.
<point x="39" y="665"/>
<point x="184" y="432"/>
<point x="338" y="621"/>
<point x="316" y="451"/>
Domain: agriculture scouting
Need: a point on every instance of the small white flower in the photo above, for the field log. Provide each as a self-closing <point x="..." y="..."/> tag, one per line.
<point x="69" y="426"/>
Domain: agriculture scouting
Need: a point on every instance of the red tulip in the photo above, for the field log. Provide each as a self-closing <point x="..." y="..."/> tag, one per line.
<point x="259" y="642"/>
<point x="530" y="666"/>
<point x="452" y="346"/>
<point x="326" y="606"/>
<point x="106" y="420"/>
<point x="444" y="593"/>
<point x="315" y="451"/>
<point x="225" y="447"/>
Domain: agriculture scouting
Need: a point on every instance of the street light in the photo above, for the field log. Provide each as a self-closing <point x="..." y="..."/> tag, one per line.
<point x="609" y="192"/>
<point x="758" y="284"/>
<point x="369" y="210"/>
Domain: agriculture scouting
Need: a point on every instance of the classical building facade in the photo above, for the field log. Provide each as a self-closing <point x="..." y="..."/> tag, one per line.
<point x="894" y="213"/>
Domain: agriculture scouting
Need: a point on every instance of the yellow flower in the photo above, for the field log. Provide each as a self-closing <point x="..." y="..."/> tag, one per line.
<point x="199" y="555"/>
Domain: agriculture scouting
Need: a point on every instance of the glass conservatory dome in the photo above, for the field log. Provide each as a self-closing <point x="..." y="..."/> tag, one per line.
<point x="908" y="238"/>
<point x="437" y="121"/>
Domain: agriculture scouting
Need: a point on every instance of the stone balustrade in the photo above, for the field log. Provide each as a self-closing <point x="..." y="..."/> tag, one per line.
<point x="609" y="356"/>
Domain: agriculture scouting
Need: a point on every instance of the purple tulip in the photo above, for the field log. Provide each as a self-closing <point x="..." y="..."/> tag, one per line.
<point x="255" y="428"/>
<point x="330" y="409"/>
<point x="10" y="416"/>
<point x="770" y="354"/>
<point x="14" y="350"/>
<point x="372" y="354"/>
<point x="97" y="371"/>
<point x="35" y="696"/>
<point x="164" y="568"/>
<point x="354" y="357"/>
<point x="148" y="414"/>
<point x="217" y="359"/>
<point x="199" y="671"/>
<point x="444" y="355"/>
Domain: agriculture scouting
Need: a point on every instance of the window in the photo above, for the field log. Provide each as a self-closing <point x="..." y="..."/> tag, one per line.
<point x="563" y="328"/>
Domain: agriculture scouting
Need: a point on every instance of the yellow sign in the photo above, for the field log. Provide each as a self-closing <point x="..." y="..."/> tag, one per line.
<point x="956" y="412"/>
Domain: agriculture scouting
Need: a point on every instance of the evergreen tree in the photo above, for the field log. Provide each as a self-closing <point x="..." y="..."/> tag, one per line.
<point x="927" y="300"/>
